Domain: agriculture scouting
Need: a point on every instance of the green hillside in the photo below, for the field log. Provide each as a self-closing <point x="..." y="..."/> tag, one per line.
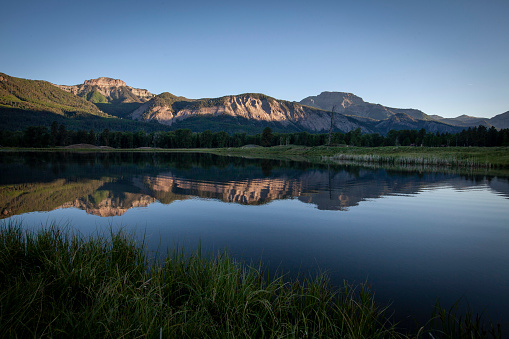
<point x="232" y="125"/>
<point x="37" y="96"/>
<point x="170" y="100"/>
<point x="117" y="95"/>
<point x="16" y="119"/>
<point x="120" y="110"/>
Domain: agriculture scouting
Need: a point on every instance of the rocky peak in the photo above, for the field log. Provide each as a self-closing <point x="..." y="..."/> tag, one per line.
<point x="326" y="100"/>
<point x="113" y="90"/>
<point x="105" y="82"/>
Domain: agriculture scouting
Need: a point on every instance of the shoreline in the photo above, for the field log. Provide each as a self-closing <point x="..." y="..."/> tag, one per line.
<point x="470" y="160"/>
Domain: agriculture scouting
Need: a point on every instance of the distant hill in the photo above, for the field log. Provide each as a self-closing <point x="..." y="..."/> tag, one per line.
<point x="464" y="121"/>
<point x="498" y="121"/>
<point x="381" y="118"/>
<point x="400" y="121"/>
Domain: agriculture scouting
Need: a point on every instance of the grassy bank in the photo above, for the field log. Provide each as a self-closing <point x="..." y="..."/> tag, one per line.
<point x="471" y="157"/>
<point x="57" y="283"/>
<point x="474" y="157"/>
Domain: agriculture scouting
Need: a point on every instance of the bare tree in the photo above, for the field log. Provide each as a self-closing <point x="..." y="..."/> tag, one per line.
<point x="331" y="121"/>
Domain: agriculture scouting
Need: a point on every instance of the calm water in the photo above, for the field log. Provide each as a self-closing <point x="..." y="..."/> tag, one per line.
<point x="414" y="237"/>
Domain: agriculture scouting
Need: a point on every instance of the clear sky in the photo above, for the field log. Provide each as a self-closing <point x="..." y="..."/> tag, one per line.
<point x="442" y="57"/>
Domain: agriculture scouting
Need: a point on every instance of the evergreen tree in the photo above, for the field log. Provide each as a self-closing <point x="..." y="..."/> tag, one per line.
<point x="266" y="139"/>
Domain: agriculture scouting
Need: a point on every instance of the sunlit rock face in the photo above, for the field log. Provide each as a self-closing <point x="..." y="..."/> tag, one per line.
<point x="252" y="107"/>
<point x="105" y="82"/>
<point x="113" y="90"/>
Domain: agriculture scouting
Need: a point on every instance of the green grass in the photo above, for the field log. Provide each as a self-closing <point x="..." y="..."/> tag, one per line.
<point x="57" y="283"/>
<point x="473" y="157"/>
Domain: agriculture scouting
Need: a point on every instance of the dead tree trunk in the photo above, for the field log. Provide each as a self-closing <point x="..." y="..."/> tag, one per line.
<point x="331" y="121"/>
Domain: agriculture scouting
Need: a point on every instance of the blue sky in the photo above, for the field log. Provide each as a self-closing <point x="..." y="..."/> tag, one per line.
<point x="442" y="57"/>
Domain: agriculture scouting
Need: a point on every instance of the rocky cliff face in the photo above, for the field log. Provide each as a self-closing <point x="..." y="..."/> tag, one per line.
<point x="248" y="106"/>
<point x="113" y="90"/>
<point x="105" y="82"/>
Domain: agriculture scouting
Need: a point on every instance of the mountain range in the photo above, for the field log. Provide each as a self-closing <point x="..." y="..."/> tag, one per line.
<point x="111" y="103"/>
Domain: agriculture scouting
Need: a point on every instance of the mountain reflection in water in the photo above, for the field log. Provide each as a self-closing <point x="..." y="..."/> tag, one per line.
<point x="109" y="184"/>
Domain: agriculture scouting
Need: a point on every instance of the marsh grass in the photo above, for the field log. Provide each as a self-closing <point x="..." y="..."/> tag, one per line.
<point x="463" y="157"/>
<point x="428" y="160"/>
<point x="58" y="283"/>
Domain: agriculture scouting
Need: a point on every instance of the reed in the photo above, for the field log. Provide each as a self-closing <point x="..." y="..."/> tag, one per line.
<point x="58" y="283"/>
<point x="405" y="160"/>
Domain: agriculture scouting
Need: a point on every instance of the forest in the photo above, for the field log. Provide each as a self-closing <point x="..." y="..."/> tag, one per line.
<point x="58" y="135"/>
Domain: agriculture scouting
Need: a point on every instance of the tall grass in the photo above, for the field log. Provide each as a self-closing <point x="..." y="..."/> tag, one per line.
<point x="405" y="160"/>
<point x="57" y="283"/>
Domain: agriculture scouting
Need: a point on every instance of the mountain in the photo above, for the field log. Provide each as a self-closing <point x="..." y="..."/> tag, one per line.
<point x="400" y="121"/>
<point x="381" y="118"/>
<point x="498" y="121"/>
<point x="107" y="90"/>
<point x="464" y="121"/>
<point x="112" y="96"/>
<point x="260" y="109"/>
<point x="352" y="105"/>
<point x="501" y="120"/>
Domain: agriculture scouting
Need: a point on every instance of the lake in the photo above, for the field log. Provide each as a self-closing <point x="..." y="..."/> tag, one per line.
<point x="414" y="236"/>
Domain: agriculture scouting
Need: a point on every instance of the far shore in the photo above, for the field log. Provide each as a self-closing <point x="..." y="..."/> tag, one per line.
<point x="471" y="157"/>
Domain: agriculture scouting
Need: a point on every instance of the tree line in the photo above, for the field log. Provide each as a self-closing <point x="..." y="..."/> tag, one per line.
<point x="59" y="135"/>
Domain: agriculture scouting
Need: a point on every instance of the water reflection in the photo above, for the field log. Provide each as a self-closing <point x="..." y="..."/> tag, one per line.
<point x="109" y="184"/>
<point x="416" y="236"/>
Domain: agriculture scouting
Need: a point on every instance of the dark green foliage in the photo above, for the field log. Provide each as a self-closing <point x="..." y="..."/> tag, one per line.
<point x="185" y="138"/>
<point x="117" y="95"/>
<point x="29" y="95"/>
<point x="96" y="97"/>
<point x="121" y="110"/>
<point x="14" y="119"/>
<point x="266" y="138"/>
<point x="231" y="125"/>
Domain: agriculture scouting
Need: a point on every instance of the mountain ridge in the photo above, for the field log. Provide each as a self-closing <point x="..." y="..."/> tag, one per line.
<point x="105" y="97"/>
<point x="350" y="104"/>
